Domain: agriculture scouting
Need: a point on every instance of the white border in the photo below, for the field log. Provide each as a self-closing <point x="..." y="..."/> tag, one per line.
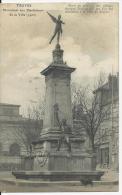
<point x="120" y="91"/>
<point x="56" y="1"/>
<point x="120" y="98"/>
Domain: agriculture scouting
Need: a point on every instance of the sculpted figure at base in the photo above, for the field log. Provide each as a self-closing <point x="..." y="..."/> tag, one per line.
<point x="65" y="129"/>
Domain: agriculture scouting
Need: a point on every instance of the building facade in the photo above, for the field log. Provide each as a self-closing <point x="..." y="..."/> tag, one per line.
<point x="9" y="124"/>
<point x="16" y="135"/>
<point x="107" y="137"/>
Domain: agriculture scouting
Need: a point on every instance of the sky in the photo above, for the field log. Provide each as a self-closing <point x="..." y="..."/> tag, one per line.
<point x="89" y="41"/>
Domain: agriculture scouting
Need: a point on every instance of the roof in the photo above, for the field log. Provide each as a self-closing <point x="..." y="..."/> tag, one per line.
<point x="112" y="83"/>
<point x="6" y="104"/>
<point x="104" y="87"/>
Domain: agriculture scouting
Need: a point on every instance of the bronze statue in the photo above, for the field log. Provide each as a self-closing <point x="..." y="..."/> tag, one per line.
<point x="64" y="127"/>
<point x="58" y="28"/>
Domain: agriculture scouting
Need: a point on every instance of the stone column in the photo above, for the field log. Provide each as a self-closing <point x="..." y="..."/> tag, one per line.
<point x="58" y="92"/>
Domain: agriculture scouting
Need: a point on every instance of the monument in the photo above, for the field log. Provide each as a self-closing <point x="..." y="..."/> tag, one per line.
<point x="59" y="154"/>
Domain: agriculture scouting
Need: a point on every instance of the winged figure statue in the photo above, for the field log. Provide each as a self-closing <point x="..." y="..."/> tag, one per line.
<point x="58" y="28"/>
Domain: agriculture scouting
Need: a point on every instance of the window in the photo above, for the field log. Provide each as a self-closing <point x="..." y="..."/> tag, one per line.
<point x="104" y="135"/>
<point x="108" y="114"/>
<point x="105" y="157"/>
<point x="14" y="150"/>
<point x="0" y="148"/>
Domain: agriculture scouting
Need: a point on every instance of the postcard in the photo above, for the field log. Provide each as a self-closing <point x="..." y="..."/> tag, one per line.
<point x="59" y="97"/>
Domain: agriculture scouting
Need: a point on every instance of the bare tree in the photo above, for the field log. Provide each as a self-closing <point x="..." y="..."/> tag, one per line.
<point x="90" y="104"/>
<point x="29" y="127"/>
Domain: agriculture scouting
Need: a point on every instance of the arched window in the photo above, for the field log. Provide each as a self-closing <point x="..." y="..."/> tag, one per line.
<point x="14" y="150"/>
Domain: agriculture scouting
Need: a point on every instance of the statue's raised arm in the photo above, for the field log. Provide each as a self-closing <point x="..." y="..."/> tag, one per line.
<point x="52" y="17"/>
<point x="58" y="28"/>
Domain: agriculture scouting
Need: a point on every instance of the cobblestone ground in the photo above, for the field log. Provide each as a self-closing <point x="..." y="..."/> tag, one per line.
<point x="58" y="188"/>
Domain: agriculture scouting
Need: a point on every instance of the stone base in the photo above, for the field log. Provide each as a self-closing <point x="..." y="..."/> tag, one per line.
<point x="64" y="160"/>
<point x="50" y="164"/>
<point x="59" y="176"/>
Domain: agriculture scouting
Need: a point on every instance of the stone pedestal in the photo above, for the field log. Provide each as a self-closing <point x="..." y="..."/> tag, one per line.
<point x="57" y="79"/>
<point x="70" y="161"/>
<point x="58" y="93"/>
